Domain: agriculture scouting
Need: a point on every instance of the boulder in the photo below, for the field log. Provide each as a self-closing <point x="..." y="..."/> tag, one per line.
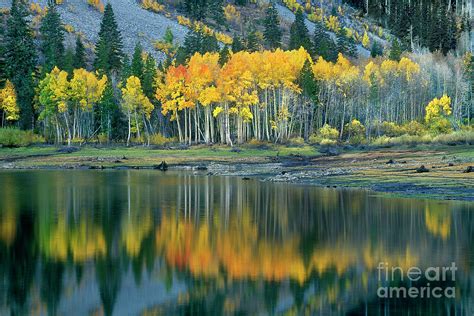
<point x="422" y="169"/>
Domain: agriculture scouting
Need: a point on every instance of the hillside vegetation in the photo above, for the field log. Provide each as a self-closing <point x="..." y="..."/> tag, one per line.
<point x="215" y="71"/>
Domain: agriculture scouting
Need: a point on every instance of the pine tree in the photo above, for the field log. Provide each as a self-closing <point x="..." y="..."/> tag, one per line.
<point x="216" y="12"/>
<point x="68" y="61"/>
<point x="20" y="59"/>
<point x="52" y="35"/>
<point x="307" y="82"/>
<point x="395" y="50"/>
<point x="196" y="9"/>
<point x="299" y="33"/>
<point x="79" y="55"/>
<point x="149" y="74"/>
<point x="3" y="66"/>
<point x="252" y="42"/>
<point x="376" y="49"/>
<point x="109" y="46"/>
<point x="237" y="45"/>
<point x="126" y="70"/>
<point x="196" y="42"/>
<point x="272" y="33"/>
<point x="346" y="45"/>
<point x="137" y="62"/>
<point x="324" y="46"/>
<point x="224" y="55"/>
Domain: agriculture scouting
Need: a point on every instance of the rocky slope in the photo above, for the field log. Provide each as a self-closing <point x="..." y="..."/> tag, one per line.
<point x="135" y="23"/>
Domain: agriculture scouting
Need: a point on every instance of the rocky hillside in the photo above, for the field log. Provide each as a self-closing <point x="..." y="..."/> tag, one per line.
<point x="135" y="23"/>
<point x="144" y="26"/>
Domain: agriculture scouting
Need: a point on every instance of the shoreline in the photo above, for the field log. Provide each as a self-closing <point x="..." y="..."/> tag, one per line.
<point x="391" y="171"/>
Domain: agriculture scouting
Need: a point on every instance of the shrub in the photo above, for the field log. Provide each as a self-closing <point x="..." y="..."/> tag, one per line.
<point x="102" y="138"/>
<point x="160" y="140"/>
<point x="12" y="137"/>
<point x="414" y="128"/>
<point x="440" y="125"/>
<point x="356" y="132"/>
<point x="255" y="143"/>
<point x="391" y="129"/>
<point x="405" y="139"/>
<point x="458" y="137"/>
<point x="327" y="132"/>
<point x="296" y="141"/>
<point x="327" y="142"/>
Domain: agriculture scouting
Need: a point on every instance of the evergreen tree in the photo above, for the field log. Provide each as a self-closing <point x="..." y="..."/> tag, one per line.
<point x="395" y="50"/>
<point x="68" y="61"/>
<point x="149" y="74"/>
<point x="196" y="42"/>
<point x="80" y="54"/>
<point x="252" y="42"/>
<point x="137" y="62"/>
<point x="324" y="46"/>
<point x="3" y="66"/>
<point x="20" y="59"/>
<point x="237" y="45"/>
<point x="299" y="33"/>
<point x="126" y="70"/>
<point x="272" y="33"/>
<point x="110" y="121"/>
<point x="52" y="35"/>
<point x="376" y="49"/>
<point x="346" y="45"/>
<point x="216" y="12"/>
<point x="307" y="82"/>
<point x="196" y="9"/>
<point x="109" y="46"/>
<point x="224" y="55"/>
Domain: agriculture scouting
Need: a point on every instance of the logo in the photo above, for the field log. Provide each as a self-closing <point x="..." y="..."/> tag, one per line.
<point x="422" y="283"/>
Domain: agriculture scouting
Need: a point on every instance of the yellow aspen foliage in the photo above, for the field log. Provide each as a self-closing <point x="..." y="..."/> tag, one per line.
<point x="231" y="13"/>
<point x="54" y="92"/>
<point x="332" y="23"/>
<point x="86" y="89"/>
<point x="366" y="40"/>
<point x="152" y="5"/>
<point x="133" y="98"/>
<point x="8" y="102"/>
<point x="173" y="92"/>
<point x="408" y="67"/>
<point x="438" y="108"/>
<point x="372" y="73"/>
<point x="97" y="4"/>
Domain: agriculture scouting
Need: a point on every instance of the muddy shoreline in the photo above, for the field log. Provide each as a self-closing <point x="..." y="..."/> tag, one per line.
<point x="392" y="171"/>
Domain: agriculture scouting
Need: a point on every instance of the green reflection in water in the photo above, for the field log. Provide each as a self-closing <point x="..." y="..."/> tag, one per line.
<point x="133" y="242"/>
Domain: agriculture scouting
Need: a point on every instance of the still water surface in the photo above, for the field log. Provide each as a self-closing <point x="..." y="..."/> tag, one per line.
<point x="139" y="242"/>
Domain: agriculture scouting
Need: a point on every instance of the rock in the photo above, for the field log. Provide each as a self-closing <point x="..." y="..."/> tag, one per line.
<point x="422" y="169"/>
<point x="283" y="172"/>
<point x="450" y="164"/>
<point x="68" y="150"/>
<point x="329" y="151"/>
<point x="404" y="161"/>
<point x="469" y="169"/>
<point x="163" y="166"/>
<point x="390" y="162"/>
<point x="201" y="167"/>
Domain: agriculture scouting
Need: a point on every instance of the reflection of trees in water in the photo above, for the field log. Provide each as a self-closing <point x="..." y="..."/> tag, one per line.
<point x="230" y="241"/>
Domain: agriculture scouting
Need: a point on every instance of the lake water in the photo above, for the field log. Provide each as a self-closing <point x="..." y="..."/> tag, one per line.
<point x="143" y="242"/>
